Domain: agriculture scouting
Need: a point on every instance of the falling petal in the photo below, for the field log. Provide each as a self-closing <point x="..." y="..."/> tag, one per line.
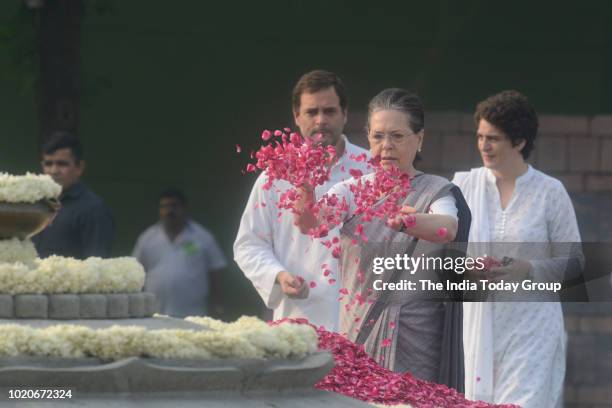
<point x="356" y="173"/>
<point x="266" y="135"/>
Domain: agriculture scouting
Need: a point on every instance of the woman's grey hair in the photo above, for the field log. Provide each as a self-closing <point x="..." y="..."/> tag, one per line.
<point x="400" y="100"/>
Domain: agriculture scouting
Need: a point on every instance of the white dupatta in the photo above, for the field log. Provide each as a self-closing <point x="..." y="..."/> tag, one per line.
<point x="477" y="316"/>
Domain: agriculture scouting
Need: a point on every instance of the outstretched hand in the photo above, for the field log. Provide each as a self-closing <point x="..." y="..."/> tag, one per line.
<point x="402" y="219"/>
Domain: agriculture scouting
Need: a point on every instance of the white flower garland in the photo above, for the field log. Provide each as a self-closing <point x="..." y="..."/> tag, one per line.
<point x="16" y="250"/>
<point x="28" y="188"/>
<point x="286" y="337"/>
<point x="247" y="338"/>
<point x="57" y="274"/>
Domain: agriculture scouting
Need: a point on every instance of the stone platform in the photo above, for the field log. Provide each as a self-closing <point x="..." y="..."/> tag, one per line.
<point x="155" y="382"/>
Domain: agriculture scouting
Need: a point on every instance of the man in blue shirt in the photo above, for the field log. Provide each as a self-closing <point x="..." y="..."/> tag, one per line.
<point x="84" y="226"/>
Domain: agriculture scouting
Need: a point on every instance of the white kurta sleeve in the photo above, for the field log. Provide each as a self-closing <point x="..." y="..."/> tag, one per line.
<point x="446" y="205"/>
<point x="566" y="252"/>
<point x="254" y="246"/>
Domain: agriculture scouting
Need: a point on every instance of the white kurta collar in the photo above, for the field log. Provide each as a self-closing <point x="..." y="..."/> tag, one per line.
<point x="520" y="180"/>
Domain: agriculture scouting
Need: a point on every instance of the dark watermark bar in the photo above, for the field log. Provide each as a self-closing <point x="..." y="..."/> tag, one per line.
<point x="489" y="272"/>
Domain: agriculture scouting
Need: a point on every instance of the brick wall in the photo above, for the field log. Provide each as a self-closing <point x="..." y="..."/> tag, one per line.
<point x="578" y="151"/>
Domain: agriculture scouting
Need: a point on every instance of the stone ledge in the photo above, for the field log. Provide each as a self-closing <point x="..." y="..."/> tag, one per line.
<point x="71" y="306"/>
<point x="94" y="376"/>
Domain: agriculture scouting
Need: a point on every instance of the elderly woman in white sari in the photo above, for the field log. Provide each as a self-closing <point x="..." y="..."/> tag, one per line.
<point x="515" y="351"/>
<point x="404" y="331"/>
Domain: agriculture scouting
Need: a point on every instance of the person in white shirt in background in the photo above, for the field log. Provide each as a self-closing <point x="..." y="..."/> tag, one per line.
<point x="182" y="260"/>
<point x="269" y="249"/>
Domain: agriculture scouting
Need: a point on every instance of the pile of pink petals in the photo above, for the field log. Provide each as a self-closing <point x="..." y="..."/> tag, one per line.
<point x="292" y="158"/>
<point x="301" y="162"/>
<point x="357" y="375"/>
<point x="390" y="183"/>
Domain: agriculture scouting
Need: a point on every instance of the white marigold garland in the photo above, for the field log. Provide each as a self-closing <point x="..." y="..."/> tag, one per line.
<point x="58" y="274"/>
<point x="16" y="250"/>
<point x="28" y="188"/>
<point x="285" y="337"/>
<point x="247" y="338"/>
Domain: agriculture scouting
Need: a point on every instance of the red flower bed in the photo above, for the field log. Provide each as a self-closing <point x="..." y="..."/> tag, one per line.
<point x="357" y="375"/>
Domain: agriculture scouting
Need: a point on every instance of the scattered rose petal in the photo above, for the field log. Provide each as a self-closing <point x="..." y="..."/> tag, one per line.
<point x="357" y="375"/>
<point x="336" y="252"/>
<point x="266" y="135"/>
<point x="356" y="173"/>
<point x="360" y="277"/>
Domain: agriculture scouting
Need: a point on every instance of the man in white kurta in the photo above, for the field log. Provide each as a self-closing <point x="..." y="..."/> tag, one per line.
<point x="182" y="260"/>
<point x="270" y="247"/>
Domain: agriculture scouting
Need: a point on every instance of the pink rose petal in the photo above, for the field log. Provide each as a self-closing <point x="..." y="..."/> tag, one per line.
<point x="266" y="135"/>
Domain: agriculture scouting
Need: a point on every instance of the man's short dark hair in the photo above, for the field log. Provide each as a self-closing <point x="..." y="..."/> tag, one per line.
<point x="315" y="81"/>
<point x="512" y="113"/>
<point x="172" y="192"/>
<point x="64" y="140"/>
